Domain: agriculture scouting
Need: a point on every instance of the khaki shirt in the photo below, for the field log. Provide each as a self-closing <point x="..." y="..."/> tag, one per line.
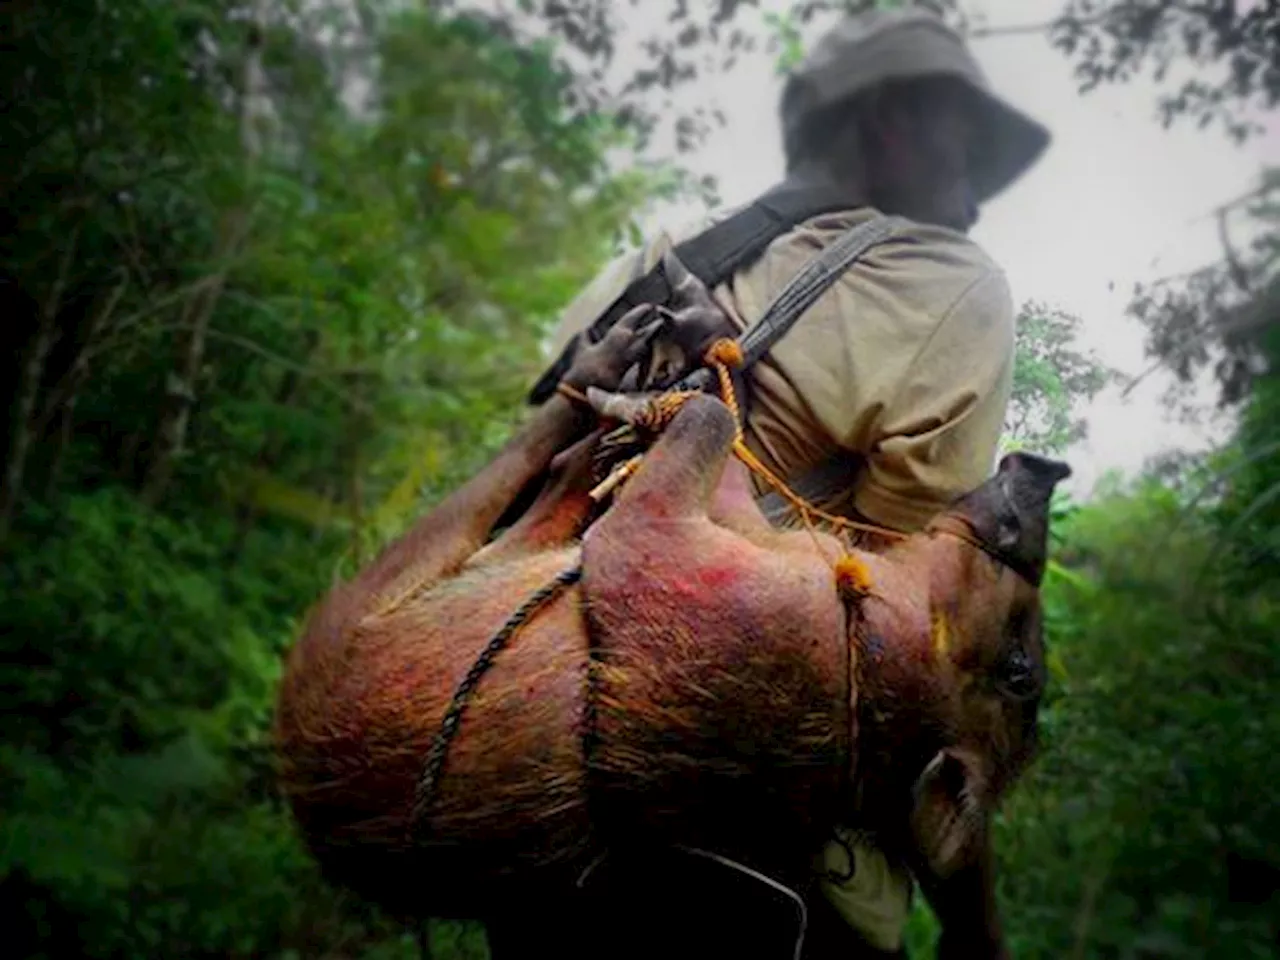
<point x="904" y="365"/>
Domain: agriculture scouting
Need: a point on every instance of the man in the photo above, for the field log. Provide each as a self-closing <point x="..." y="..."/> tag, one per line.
<point x="891" y="390"/>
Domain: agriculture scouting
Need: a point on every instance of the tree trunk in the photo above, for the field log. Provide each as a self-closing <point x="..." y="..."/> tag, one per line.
<point x="180" y="389"/>
<point x="62" y="400"/>
<point x="30" y="376"/>
<point x="66" y="427"/>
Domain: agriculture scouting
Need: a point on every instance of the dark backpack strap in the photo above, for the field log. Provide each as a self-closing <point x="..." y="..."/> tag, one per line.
<point x="736" y="242"/>
<point x="712" y="256"/>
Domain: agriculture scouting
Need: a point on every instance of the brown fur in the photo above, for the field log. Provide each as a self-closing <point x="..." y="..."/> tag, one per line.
<point x="702" y="684"/>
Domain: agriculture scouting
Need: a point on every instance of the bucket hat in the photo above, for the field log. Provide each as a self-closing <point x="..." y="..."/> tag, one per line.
<point x="869" y="49"/>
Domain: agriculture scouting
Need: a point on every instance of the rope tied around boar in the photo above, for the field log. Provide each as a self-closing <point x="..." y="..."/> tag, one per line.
<point x="851" y="575"/>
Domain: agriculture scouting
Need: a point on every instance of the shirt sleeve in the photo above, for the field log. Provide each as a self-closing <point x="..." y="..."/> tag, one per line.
<point x="937" y="436"/>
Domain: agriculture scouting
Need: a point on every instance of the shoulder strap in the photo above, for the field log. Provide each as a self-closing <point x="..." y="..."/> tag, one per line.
<point x="800" y="293"/>
<point x="712" y="256"/>
<point x="779" y="317"/>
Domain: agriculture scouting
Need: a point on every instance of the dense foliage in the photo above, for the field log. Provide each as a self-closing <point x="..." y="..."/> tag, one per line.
<point x="274" y="275"/>
<point x="1053" y="380"/>
<point x="262" y="299"/>
<point x="1148" y="829"/>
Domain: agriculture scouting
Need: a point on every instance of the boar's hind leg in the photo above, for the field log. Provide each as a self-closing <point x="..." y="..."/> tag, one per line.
<point x="442" y="541"/>
<point x="690" y="471"/>
<point x="683" y="469"/>
<point x="735" y="508"/>
<point x="446" y="538"/>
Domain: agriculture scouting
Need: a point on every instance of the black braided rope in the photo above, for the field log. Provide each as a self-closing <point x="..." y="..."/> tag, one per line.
<point x="590" y="712"/>
<point x="590" y="718"/>
<point x="428" y="783"/>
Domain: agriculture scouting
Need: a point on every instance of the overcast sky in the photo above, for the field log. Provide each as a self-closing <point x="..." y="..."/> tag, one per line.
<point x="1115" y="199"/>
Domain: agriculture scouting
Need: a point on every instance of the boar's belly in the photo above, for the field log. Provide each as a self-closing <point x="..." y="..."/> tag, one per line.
<point x="721" y="692"/>
<point x="511" y="796"/>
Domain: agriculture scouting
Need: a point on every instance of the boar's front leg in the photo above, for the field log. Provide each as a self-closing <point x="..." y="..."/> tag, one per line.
<point x="965" y="904"/>
<point x="442" y="541"/>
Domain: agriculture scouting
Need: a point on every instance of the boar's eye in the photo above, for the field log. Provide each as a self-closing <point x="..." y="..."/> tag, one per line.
<point x="1017" y="675"/>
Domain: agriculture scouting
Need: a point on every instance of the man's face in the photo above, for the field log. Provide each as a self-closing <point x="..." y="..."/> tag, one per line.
<point x="920" y="156"/>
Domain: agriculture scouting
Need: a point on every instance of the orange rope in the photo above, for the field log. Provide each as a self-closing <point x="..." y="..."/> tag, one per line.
<point x="853" y="579"/>
<point x="573" y="393"/>
<point x="663" y="409"/>
<point x="726" y="353"/>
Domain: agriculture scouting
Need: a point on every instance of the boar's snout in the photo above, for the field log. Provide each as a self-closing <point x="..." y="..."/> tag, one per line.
<point x="1034" y="474"/>
<point x="1010" y="512"/>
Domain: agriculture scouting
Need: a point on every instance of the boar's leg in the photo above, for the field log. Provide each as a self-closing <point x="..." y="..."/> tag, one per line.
<point x="683" y="469"/>
<point x="564" y="507"/>
<point x="442" y="541"/>
<point x="965" y="904"/>
<point x="735" y="507"/>
<point x="561" y="511"/>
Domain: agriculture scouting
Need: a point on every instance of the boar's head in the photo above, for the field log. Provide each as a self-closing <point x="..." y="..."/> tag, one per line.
<point x="950" y="685"/>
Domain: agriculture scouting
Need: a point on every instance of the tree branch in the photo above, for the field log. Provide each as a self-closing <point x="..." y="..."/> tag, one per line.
<point x="1044" y="26"/>
<point x="1228" y="205"/>
<point x="63" y="392"/>
<point x="287" y="364"/>
<point x="1010" y="30"/>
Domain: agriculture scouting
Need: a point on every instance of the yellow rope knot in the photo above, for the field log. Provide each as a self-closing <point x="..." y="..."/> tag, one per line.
<point x="662" y="409"/>
<point x="853" y="578"/>
<point x="722" y="355"/>
<point x="727" y="352"/>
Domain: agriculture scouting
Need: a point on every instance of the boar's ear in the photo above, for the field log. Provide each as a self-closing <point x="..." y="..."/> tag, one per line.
<point x="948" y="814"/>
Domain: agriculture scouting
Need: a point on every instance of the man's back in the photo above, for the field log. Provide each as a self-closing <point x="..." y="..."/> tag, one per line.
<point x="901" y="371"/>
